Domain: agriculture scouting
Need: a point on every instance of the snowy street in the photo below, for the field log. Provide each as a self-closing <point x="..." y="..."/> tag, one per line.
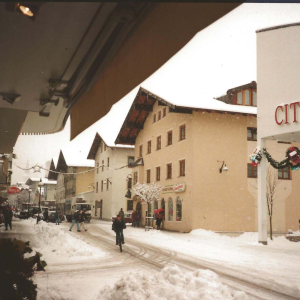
<point x="90" y="264"/>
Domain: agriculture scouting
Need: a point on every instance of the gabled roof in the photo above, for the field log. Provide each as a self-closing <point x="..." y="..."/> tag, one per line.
<point x="143" y="105"/>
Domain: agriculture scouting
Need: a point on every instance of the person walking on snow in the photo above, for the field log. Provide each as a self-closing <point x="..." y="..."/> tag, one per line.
<point x="7" y="217"/>
<point x="57" y="218"/>
<point x="121" y="214"/>
<point x="75" y="218"/>
<point x="46" y="215"/>
<point x="81" y="220"/>
<point x="118" y="226"/>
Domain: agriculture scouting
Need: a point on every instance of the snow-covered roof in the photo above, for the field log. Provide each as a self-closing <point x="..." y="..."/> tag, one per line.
<point x="75" y="157"/>
<point x="44" y="180"/>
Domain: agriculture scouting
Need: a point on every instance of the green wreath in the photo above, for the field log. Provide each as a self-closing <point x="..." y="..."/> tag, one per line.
<point x="292" y="161"/>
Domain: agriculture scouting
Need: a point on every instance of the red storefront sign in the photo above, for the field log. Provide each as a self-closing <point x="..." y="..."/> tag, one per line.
<point x="282" y="113"/>
<point x="13" y="190"/>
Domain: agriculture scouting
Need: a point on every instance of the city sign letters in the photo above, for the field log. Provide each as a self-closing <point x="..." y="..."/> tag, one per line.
<point x="13" y="190"/>
<point x="282" y="113"/>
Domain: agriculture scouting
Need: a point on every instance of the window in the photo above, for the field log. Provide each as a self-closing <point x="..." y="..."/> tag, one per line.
<point x="154" y="118"/>
<point x="178" y="209"/>
<point x="169" y="139"/>
<point x="102" y="165"/>
<point x="182" y="132"/>
<point x="129" y="183"/>
<point x="284" y="173"/>
<point x="130" y="160"/>
<point x="159" y="116"/>
<point x="129" y="205"/>
<point x="107" y="184"/>
<point x="149" y="147"/>
<point x="247" y="98"/>
<point x="254" y="98"/>
<point x="251" y="134"/>
<point x="157" y="173"/>
<point x="97" y="187"/>
<point x="164" y="112"/>
<point x="108" y="162"/>
<point x="162" y="205"/>
<point x="135" y="177"/>
<point x="97" y="168"/>
<point x="182" y="167"/>
<point x="170" y="209"/>
<point x="169" y="171"/>
<point x="101" y="185"/>
<point x="158" y="143"/>
<point x="251" y="171"/>
<point x="141" y="151"/>
<point x="148" y="176"/>
<point x="155" y="204"/>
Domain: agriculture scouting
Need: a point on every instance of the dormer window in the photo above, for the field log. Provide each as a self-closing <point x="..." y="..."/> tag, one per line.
<point x="246" y="97"/>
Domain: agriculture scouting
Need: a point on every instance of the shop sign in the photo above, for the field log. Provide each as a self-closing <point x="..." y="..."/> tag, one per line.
<point x="13" y="190"/>
<point x="179" y="187"/>
<point x="282" y="113"/>
<point x="167" y="189"/>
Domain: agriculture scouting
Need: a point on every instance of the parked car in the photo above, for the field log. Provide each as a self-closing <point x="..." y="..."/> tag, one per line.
<point x="127" y="217"/>
<point x="51" y="216"/>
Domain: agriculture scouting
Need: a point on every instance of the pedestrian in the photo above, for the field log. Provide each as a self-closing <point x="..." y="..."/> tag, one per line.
<point x="81" y="220"/>
<point x="118" y="226"/>
<point x="159" y="219"/>
<point x="7" y="216"/>
<point x="133" y="218"/>
<point x="46" y="215"/>
<point x="121" y="214"/>
<point x="75" y="219"/>
<point x="137" y="218"/>
<point x="57" y="217"/>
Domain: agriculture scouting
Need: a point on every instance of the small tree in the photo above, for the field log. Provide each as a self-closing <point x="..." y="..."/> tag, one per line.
<point x="147" y="192"/>
<point x="272" y="183"/>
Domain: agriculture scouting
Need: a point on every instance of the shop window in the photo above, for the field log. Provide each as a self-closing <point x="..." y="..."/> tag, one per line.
<point x="284" y="173"/>
<point x="169" y="171"/>
<point x="170" y="209"/>
<point x="129" y="205"/>
<point x="158" y="143"/>
<point x="251" y="134"/>
<point x="178" y="209"/>
<point x="182" y="133"/>
<point x="149" y="209"/>
<point x="149" y="147"/>
<point x="154" y="118"/>
<point x="97" y="168"/>
<point x="148" y="176"/>
<point x="141" y="151"/>
<point x="162" y="205"/>
<point x="164" y="112"/>
<point x="170" y="138"/>
<point x="182" y="167"/>
<point x="251" y="171"/>
<point x="159" y="116"/>
<point x="157" y="173"/>
<point x="130" y="160"/>
<point x="135" y="177"/>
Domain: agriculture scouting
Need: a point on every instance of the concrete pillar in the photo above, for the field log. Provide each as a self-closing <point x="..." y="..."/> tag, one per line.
<point x="262" y="198"/>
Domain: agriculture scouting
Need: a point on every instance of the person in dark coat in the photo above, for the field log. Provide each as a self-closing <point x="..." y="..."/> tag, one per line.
<point x="118" y="226"/>
<point x="75" y="218"/>
<point x="159" y="219"/>
<point x="82" y="217"/>
<point x="57" y="217"/>
<point x="137" y="218"/>
<point x="46" y="215"/>
<point x="7" y="216"/>
<point x="133" y="218"/>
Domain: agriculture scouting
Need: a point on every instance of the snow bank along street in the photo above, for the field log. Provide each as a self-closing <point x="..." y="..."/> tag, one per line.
<point x="159" y="264"/>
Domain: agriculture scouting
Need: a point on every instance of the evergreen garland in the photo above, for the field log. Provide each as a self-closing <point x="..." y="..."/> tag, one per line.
<point x="288" y="161"/>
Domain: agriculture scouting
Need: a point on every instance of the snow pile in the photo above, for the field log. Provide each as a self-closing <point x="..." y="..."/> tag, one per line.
<point x="57" y="245"/>
<point x="151" y="234"/>
<point x="293" y="233"/>
<point x="170" y="283"/>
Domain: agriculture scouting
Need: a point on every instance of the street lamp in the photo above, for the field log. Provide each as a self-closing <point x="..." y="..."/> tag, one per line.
<point x="38" y="216"/>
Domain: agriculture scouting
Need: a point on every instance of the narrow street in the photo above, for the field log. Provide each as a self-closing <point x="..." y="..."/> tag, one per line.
<point x="87" y="277"/>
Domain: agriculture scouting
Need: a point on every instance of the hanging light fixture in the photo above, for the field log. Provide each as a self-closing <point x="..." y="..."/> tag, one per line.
<point x="26" y="8"/>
